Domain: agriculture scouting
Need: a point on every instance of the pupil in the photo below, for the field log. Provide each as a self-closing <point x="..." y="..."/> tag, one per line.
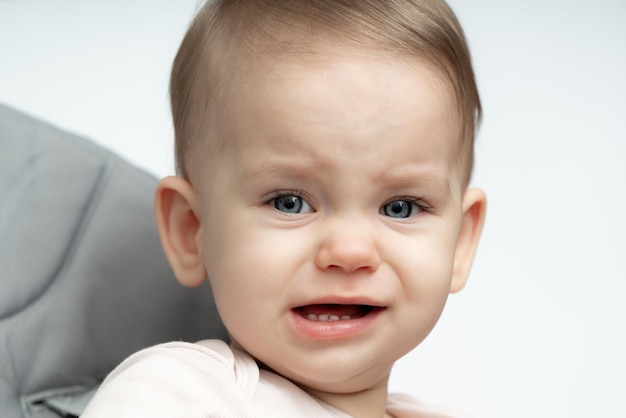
<point x="398" y="209"/>
<point x="290" y="204"/>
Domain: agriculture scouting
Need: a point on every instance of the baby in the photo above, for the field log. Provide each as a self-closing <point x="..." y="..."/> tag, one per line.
<point x="324" y="150"/>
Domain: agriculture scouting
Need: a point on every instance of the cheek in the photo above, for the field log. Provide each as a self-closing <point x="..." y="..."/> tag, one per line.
<point x="424" y="293"/>
<point x="243" y="250"/>
<point x="425" y="285"/>
<point x="239" y="283"/>
<point x="232" y="263"/>
<point x="249" y="266"/>
<point x="424" y="265"/>
<point x="428" y="288"/>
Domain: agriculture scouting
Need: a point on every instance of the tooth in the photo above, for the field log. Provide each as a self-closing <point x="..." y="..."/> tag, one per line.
<point x="327" y="317"/>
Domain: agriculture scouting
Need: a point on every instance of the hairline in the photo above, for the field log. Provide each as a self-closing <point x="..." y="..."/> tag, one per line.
<point x="239" y="52"/>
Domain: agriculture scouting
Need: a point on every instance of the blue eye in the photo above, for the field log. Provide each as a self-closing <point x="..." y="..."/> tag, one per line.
<point x="291" y="204"/>
<point x="400" y="209"/>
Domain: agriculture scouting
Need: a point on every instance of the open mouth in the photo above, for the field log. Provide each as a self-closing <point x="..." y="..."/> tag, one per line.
<point x="335" y="312"/>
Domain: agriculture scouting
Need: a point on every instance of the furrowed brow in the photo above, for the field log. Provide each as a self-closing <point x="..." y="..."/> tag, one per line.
<point x="276" y="170"/>
<point x="427" y="181"/>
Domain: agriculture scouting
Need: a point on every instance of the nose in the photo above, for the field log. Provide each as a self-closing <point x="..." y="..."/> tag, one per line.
<point x="348" y="246"/>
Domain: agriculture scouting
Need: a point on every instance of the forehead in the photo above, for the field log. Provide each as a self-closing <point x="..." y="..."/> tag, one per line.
<point x="358" y="98"/>
<point x="389" y="77"/>
<point x="325" y="109"/>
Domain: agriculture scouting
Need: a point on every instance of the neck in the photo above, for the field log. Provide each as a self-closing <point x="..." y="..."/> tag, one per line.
<point x="369" y="403"/>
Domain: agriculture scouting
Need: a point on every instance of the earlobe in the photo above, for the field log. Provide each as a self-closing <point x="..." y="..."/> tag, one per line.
<point x="179" y="228"/>
<point x="474" y="210"/>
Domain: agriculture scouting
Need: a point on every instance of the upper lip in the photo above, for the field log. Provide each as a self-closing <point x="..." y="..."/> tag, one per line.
<point x="342" y="300"/>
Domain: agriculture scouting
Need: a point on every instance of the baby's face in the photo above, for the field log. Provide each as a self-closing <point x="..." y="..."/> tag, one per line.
<point x="329" y="220"/>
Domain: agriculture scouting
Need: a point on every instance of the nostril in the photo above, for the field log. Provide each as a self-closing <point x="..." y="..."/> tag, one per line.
<point x="351" y="268"/>
<point x="348" y="249"/>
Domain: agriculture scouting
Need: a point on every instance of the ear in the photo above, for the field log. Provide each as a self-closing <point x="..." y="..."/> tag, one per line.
<point x="179" y="229"/>
<point x="473" y="219"/>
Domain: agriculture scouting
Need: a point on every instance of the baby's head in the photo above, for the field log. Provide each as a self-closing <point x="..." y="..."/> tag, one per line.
<point x="230" y="44"/>
<point x="324" y="149"/>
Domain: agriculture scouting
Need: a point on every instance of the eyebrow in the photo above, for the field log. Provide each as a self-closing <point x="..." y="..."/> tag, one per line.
<point x="418" y="178"/>
<point x="273" y="169"/>
<point x="408" y="179"/>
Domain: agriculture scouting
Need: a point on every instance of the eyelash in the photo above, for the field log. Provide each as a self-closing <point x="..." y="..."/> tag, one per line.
<point x="282" y="193"/>
<point x="417" y="201"/>
<point x="277" y="194"/>
<point x="420" y="203"/>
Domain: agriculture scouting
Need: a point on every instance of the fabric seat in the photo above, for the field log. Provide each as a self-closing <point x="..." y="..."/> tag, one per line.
<point x="83" y="280"/>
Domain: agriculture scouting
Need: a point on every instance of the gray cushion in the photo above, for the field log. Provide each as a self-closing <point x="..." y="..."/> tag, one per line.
<point x="83" y="280"/>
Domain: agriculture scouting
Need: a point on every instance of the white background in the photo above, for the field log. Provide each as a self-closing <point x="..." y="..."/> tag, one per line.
<point x="540" y="329"/>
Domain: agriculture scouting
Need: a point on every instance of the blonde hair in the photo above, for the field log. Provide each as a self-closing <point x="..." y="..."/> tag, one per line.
<point x="227" y="36"/>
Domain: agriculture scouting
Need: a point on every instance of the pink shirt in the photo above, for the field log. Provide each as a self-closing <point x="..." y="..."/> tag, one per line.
<point x="210" y="379"/>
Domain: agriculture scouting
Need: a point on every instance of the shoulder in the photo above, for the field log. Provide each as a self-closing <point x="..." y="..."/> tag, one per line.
<point x="177" y="378"/>
<point x="406" y="406"/>
<point x="184" y="363"/>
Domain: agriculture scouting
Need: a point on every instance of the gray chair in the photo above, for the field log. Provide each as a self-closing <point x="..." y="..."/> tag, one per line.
<point x="83" y="280"/>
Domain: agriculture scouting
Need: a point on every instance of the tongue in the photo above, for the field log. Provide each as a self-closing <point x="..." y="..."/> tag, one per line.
<point x="338" y="310"/>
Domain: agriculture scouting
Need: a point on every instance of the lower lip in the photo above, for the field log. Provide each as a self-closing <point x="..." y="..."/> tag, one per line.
<point x="329" y="330"/>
